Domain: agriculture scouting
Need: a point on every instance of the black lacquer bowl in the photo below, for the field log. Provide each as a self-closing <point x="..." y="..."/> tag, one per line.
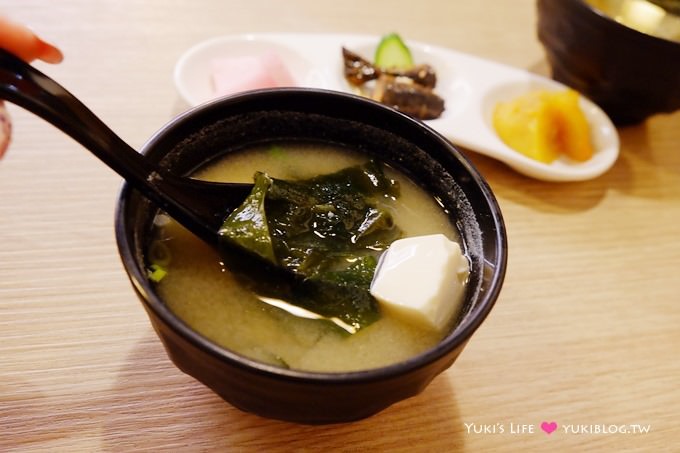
<point x="630" y="74"/>
<point x="230" y="124"/>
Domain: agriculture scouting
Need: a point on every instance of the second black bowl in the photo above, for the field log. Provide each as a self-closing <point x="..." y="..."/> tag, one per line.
<point x="630" y="74"/>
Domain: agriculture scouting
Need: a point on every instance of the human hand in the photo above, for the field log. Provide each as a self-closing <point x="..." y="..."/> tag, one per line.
<point x="22" y="42"/>
<point x="5" y="129"/>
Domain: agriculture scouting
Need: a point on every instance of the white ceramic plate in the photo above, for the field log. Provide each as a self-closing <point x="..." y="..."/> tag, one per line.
<point x="470" y="86"/>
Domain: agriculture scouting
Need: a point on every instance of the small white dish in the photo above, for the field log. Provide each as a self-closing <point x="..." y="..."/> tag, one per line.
<point x="471" y="87"/>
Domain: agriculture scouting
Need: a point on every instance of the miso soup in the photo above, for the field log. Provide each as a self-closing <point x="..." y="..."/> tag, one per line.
<point x="202" y="292"/>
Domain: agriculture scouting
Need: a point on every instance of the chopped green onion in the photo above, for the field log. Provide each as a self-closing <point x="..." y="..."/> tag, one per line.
<point x="156" y="273"/>
<point x="277" y="152"/>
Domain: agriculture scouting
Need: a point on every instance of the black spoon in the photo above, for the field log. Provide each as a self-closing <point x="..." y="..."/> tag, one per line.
<point x="200" y="206"/>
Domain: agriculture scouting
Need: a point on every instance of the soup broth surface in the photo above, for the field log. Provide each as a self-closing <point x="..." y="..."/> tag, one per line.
<point x="207" y="297"/>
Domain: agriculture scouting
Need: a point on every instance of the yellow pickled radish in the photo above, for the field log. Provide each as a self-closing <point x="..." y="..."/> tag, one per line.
<point x="544" y="125"/>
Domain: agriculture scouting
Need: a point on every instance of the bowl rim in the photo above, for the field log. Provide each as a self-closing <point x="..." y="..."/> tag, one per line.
<point x="633" y="33"/>
<point x="453" y="340"/>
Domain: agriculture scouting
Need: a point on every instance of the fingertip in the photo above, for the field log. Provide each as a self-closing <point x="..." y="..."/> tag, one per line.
<point x="49" y="53"/>
<point x="21" y="41"/>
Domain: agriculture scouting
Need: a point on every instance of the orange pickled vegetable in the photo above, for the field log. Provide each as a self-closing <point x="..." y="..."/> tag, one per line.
<point x="545" y="125"/>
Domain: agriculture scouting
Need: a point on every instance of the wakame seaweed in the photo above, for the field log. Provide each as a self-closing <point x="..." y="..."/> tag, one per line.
<point x="329" y="229"/>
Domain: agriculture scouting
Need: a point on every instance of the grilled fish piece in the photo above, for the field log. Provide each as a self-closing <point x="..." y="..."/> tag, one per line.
<point x="358" y="71"/>
<point x="408" y="97"/>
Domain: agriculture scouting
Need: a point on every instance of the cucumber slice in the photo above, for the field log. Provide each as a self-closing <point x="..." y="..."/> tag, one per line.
<point x="392" y="53"/>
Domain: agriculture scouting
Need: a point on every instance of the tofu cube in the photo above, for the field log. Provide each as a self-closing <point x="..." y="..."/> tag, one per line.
<point x="421" y="280"/>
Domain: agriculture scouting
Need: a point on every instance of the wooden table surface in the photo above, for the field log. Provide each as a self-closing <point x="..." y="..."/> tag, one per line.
<point x="586" y="332"/>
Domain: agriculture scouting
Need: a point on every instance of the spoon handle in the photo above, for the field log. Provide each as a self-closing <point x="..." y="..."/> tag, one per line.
<point x="23" y="85"/>
<point x="198" y="205"/>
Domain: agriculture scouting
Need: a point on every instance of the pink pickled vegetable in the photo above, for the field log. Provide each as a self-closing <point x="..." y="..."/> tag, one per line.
<point x="236" y="74"/>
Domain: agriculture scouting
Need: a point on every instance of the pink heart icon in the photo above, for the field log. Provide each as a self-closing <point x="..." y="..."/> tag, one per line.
<point x="549" y="427"/>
